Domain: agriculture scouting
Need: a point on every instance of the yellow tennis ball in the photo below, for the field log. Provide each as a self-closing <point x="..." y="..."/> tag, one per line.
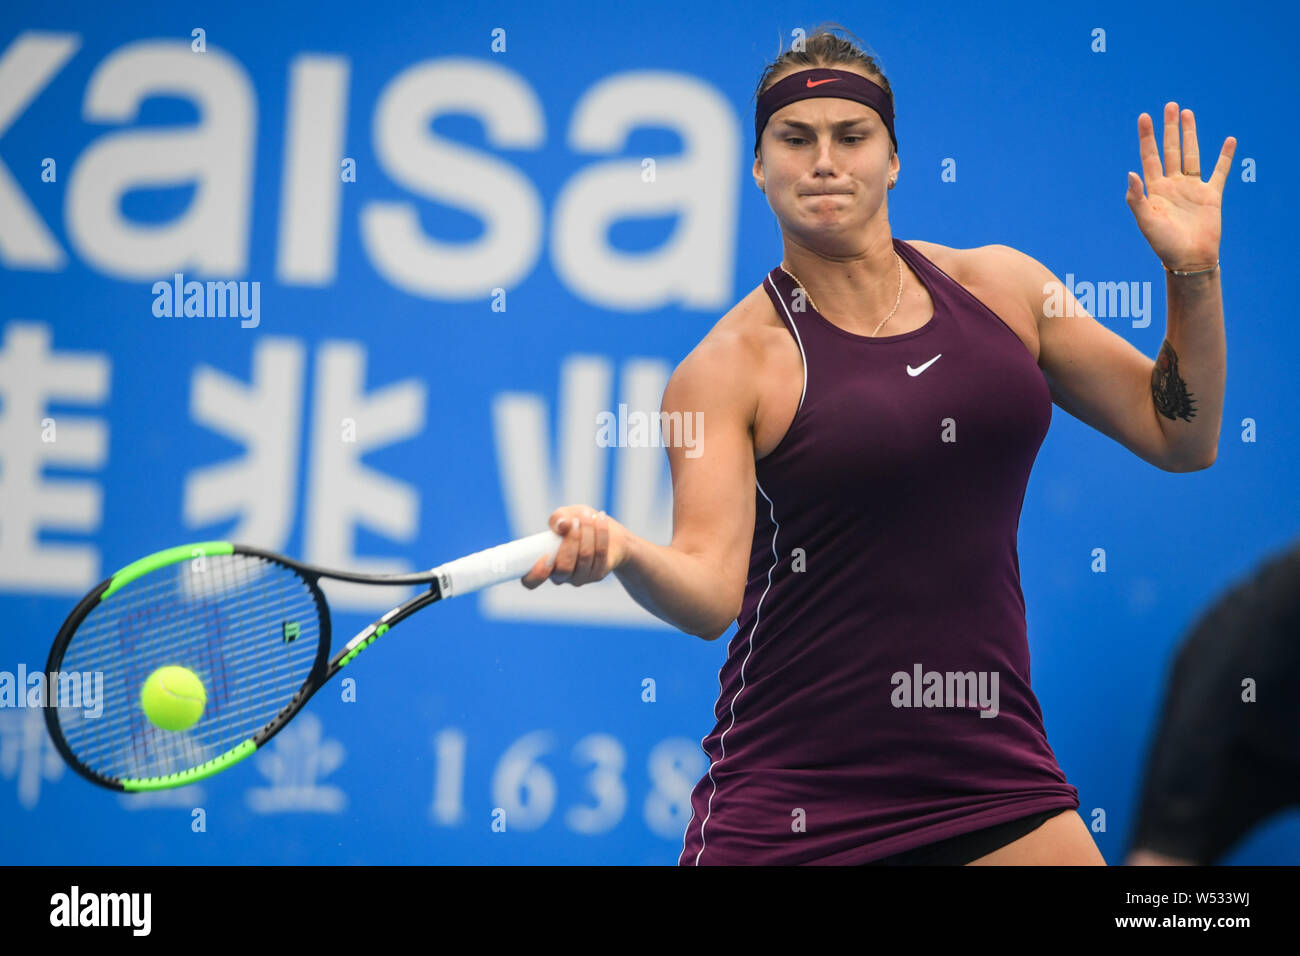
<point x="173" y="698"/>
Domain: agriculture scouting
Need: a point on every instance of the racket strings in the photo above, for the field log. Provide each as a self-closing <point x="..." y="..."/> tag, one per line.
<point x="225" y="618"/>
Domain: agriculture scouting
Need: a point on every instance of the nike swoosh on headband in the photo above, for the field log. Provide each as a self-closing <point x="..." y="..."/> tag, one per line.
<point x="812" y="83"/>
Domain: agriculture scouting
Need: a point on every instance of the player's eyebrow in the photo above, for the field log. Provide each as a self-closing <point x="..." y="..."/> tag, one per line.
<point x="842" y="124"/>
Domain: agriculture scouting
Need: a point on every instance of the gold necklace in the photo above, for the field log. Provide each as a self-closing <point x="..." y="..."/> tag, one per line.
<point x="882" y="321"/>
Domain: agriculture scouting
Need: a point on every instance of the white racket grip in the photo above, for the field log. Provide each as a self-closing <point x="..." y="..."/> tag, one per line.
<point x="494" y="565"/>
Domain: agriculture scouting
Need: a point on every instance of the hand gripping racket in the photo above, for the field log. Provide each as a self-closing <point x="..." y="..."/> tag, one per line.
<point x="251" y="625"/>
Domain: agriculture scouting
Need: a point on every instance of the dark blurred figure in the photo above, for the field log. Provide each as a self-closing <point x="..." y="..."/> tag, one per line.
<point x="1219" y="764"/>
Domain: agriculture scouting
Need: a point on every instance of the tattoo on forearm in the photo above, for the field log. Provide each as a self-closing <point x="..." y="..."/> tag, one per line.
<point x="1168" y="388"/>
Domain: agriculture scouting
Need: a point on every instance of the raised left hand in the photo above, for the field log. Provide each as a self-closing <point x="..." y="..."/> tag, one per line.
<point x="1180" y="216"/>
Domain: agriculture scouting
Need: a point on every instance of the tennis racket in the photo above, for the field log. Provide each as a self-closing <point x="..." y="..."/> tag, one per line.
<point x="253" y="626"/>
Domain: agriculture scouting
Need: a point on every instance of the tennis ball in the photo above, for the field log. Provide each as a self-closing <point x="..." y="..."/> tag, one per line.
<point x="173" y="698"/>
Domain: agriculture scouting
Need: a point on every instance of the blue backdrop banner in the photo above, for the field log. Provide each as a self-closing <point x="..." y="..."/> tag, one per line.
<point x="379" y="285"/>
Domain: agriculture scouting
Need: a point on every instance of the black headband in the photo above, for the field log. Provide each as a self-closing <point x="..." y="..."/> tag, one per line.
<point x="822" y="82"/>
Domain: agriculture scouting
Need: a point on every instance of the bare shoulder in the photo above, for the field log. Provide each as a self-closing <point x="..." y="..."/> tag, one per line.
<point x="739" y="338"/>
<point x="941" y="255"/>
<point x="754" y="324"/>
<point x="997" y="275"/>
<point x="980" y="266"/>
<point x="727" y="362"/>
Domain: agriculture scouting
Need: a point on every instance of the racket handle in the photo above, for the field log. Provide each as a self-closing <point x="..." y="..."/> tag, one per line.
<point x="494" y="565"/>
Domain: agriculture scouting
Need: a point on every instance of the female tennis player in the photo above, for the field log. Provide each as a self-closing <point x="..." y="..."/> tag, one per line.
<point x="872" y="412"/>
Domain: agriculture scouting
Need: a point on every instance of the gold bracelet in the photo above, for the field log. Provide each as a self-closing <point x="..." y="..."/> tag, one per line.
<point x="1199" y="272"/>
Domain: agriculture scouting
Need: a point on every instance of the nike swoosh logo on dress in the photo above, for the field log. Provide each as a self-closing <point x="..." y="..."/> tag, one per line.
<point x="917" y="371"/>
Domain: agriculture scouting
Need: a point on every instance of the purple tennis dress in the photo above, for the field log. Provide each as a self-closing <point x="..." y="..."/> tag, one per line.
<point x="876" y="696"/>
